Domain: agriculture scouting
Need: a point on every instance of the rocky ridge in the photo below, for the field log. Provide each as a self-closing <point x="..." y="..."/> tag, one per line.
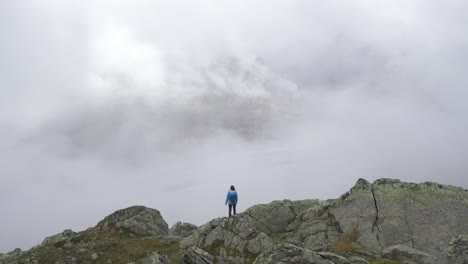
<point x="387" y="221"/>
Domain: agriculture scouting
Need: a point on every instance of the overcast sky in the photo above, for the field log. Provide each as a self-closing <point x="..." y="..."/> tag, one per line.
<point x="108" y="104"/>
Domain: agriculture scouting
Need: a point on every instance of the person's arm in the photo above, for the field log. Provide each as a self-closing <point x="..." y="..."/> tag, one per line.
<point x="227" y="198"/>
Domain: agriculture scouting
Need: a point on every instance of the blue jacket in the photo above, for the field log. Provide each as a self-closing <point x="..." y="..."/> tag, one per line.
<point x="228" y="197"/>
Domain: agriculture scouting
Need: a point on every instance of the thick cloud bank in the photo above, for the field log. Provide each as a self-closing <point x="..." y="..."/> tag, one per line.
<point x="107" y="104"/>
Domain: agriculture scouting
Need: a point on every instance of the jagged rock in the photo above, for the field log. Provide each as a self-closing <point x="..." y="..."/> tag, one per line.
<point x="336" y="259"/>
<point x="457" y="251"/>
<point x="374" y="222"/>
<point x="412" y="214"/>
<point x="194" y="255"/>
<point x="58" y="239"/>
<point x="276" y="216"/>
<point x="390" y="212"/>
<point x="288" y="253"/>
<point x="404" y="253"/>
<point x="154" y="258"/>
<point x="318" y="208"/>
<point x="182" y="229"/>
<point x="357" y="210"/>
<point x="259" y="243"/>
<point x="136" y="219"/>
<point x="229" y="238"/>
<point x="12" y="257"/>
<point x="314" y="231"/>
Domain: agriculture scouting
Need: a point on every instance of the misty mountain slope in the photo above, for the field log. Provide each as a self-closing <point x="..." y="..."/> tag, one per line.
<point x="387" y="221"/>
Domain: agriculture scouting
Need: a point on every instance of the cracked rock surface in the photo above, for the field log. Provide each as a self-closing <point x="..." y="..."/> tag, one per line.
<point x="388" y="212"/>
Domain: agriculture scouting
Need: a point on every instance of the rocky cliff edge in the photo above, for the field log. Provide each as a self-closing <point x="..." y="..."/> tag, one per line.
<point x="387" y="221"/>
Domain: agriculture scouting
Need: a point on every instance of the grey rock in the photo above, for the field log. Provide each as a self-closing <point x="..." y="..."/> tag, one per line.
<point x="24" y="261"/>
<point x="229" y="238"/>
<point x="276" y="216"/>
<point x="182" y="229"/>
<point x="288" y="253"/>
<point x="195" y="255"/>
<point x="336" y="259"/>
<point x="154" y="258"/>
<point x="260" y="243"/>
<point x="356" y="209"/>
<point x="357" y="260"/>
<point x="405" y="222"/>
<point x="390" y="212"/>
<point x="457" y="251"/>
<point x="59" y="239"/>
<point x="315" y="231"/>
<point x="136" y="219"/>
<point x="404" y="253"/>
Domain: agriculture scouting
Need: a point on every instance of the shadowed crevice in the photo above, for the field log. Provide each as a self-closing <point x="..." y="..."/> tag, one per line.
<point x="376" y="219"/>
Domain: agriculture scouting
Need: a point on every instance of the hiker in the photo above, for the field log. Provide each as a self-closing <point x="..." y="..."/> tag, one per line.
<point x="232" y="199"/>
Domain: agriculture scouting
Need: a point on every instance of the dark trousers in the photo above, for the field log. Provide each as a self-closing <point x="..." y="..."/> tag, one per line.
<point x="232" y="206"/>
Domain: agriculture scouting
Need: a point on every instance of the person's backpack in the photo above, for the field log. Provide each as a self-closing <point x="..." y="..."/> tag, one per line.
<point x="233" y="198"/>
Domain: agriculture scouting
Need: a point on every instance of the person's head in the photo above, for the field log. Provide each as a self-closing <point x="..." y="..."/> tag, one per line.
<point x="232" y="188"/>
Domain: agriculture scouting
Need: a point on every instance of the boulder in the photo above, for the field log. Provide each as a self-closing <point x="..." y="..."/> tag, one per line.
<point x="58" y="239"/>
<point x="137" y="220"/>
<point x="154" y="258"/>
<point x="194" y="255"/>
<point x="94" y="256"/>
<point x="182" y="229"/>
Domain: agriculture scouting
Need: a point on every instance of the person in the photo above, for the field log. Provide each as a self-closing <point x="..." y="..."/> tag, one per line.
<point x="232" y="198"/>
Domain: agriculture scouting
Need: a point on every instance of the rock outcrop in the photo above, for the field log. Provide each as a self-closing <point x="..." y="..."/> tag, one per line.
<point x="388" y="212"/>
<point x="387" y="221"/>
<point x="136" y="219"/>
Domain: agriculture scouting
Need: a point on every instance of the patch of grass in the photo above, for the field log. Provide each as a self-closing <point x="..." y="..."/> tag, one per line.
<point x="347" y="243"/>
<point x="324" y="215"/>
<point x="117" y="247"/>
<point x="277" y="237"/>
<point x="132" y="249"/>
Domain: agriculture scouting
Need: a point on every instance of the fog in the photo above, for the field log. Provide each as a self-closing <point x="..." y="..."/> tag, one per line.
<point x="108" y="104"/>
